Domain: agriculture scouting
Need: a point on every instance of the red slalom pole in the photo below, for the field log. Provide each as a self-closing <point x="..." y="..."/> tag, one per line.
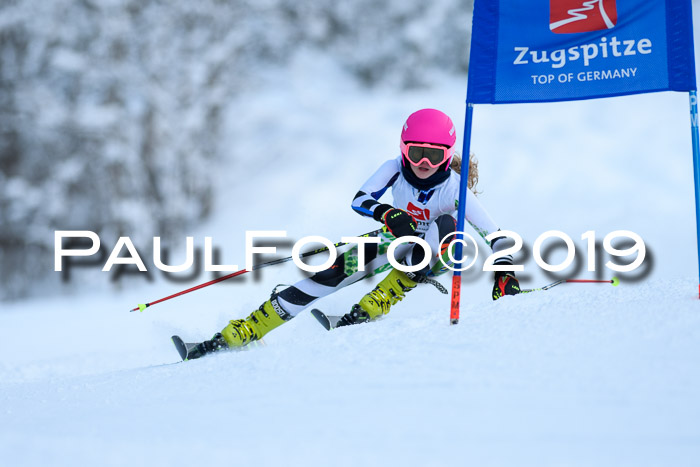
<point x="454" y="301"/>
<point x="143" y="306"/>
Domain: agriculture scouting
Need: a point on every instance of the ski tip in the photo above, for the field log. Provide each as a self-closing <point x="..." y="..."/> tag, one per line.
<point x="454" y="321"/>
<point x="180" y="347"/>
<point x="321" y="318"/>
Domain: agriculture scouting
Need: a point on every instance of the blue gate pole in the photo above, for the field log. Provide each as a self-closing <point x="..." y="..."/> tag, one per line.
<point x="696" y="169"/>
<point x="461" y="211"/>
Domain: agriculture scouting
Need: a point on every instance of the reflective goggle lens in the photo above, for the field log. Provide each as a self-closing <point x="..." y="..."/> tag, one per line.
<point x="434" y="155"/>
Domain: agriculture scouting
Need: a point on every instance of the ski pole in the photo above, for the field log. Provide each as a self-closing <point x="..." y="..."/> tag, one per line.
<point x="143" y="306"/>
<point x="614" y="281"/>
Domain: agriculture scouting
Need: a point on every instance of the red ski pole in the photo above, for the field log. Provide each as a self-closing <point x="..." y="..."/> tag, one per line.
<point x="614" y="281"/>
<point x="143" y="306"/>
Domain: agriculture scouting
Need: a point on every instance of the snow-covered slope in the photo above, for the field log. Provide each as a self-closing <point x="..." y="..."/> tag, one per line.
<point x="580" y="375"/>
<point x="577" y="376"/>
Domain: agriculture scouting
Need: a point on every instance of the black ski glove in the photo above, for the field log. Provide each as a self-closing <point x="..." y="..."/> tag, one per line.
<point x="397" y="221"/>
<point x="506" y="284"/>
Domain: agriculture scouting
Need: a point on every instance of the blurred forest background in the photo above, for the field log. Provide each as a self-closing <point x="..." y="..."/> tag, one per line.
<point x="112" y="112"/>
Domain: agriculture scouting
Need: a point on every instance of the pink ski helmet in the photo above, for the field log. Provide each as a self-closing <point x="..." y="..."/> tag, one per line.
<point x="429" y="126"/>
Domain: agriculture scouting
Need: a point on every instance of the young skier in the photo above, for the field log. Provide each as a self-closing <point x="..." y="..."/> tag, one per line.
<point x="425" y="192"/>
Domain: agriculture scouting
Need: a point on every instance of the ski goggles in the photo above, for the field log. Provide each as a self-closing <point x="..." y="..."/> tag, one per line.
<point x="434" y="155"/>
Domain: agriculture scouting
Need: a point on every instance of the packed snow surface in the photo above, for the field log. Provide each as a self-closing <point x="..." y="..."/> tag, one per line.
<point x="579" y="376"/>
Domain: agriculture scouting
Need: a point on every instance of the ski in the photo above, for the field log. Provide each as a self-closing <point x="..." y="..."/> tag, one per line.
<point x="193" y="350"/>
<point x="183" y="348"/>
<point x="328" y="322"/>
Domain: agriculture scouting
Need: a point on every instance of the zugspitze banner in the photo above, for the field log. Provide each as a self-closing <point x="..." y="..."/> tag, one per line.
<point x="552" y="50"/>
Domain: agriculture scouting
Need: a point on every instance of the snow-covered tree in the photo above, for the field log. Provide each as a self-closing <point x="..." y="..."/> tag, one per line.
<point x="111" y="110"/>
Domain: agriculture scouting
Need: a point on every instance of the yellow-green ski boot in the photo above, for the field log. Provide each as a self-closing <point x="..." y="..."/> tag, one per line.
<point x="240" y="332"/>
<point x="389" y="291"/>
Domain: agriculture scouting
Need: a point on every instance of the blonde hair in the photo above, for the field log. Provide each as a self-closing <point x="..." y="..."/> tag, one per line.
<point x="456" y="165"/>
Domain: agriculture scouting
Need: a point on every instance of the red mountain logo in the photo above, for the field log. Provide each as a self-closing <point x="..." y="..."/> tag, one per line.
<point x="418" y="213"/>
<point x="571" y="16"/>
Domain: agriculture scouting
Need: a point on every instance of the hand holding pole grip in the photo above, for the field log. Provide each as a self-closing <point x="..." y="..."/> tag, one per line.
<point x="399" y="222"/>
